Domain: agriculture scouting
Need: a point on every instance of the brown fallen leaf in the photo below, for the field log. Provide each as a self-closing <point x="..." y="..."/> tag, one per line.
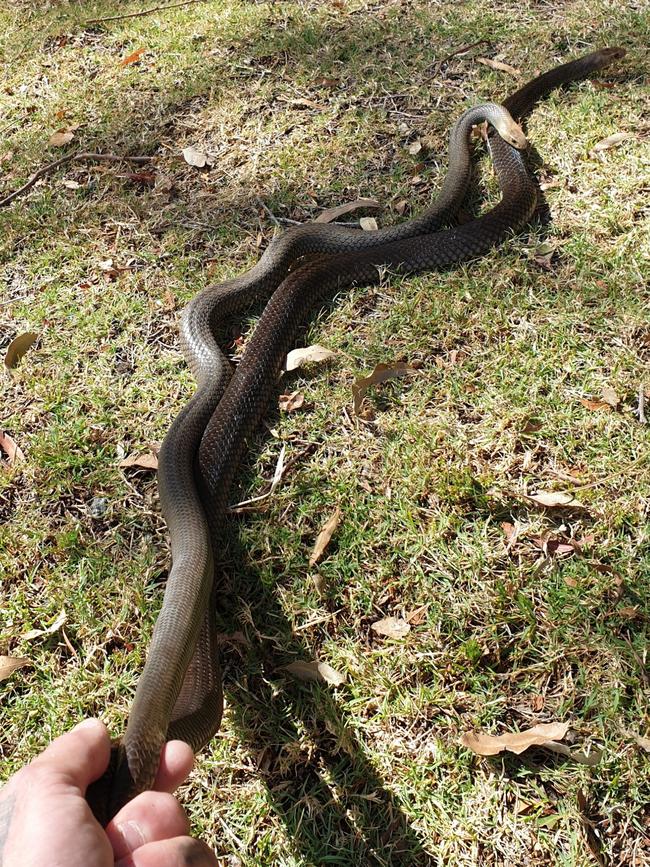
<point x="629" y="612"/>
<point x="132" y="58"/>
<point x="147" y="179"/>
<point x="511" y="532"/>
<point x="368" y="224"/>
<point x="61" y="137"/>
<point x="194" y="157"/>
<point x="9" y="664"/>
<point x="392" y="627"/>
<point x="401" y="206"/>
<point x="13" y="451"/>
<point x="147" y="461"/>
<point x="418" y="615"/>
<point x="498" y="65"/>
<point x="544" y="254"/>
<point x="550" y="545"/>
<point x="554" y="499"/>
<point x="610" y="397"/>
<point x="514" y="742"/>
<point x="381" y="373"/>
<point x="595" y="404"/>
<point x="314" y="671"/>
<point x="291" y="402"/>
<point x="18" y="347"/>
<point x="330" y="214"/>
<point x="305" y="355"/>
<point x="49" y="630"/>
<point x="644" y="743"/>
<point x="415" y="147"/>
<point x="325" y="536"/>
<point x="611" y="141"/>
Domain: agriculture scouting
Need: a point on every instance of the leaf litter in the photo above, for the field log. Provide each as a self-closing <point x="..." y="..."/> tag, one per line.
<point x="9" y="664"/>
<point x="325" y="536"/>
<point x="381" y="373"/>
<point x="13" y="451"/>
<point x="315" y="672"/>
<point x="391" y="627"/>
<point x="298" y="358"/>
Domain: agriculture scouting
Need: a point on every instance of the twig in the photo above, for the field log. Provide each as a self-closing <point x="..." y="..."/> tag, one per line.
<point x="281" y="471"/>
<point x="461" y="50"/>
<point x="143" y="12"/>
<point x="268" y="211"/>
<point x="111" y="158"/>
<point x="641" y="406"/>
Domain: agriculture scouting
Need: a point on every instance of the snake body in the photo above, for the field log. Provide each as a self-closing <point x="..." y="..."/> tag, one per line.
<point x="179" y="693"/>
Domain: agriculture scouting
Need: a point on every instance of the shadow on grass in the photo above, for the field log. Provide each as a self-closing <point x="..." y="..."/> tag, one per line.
<point x="319" y="779"/>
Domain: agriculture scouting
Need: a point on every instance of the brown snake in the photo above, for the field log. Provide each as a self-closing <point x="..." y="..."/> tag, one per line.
<point x="179" y="694"/>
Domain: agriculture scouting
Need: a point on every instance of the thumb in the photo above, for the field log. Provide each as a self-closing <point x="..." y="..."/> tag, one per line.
<point x="80" y="756"/>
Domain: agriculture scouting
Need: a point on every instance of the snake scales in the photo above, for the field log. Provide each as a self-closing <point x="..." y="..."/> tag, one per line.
<point x="179" y="694"/>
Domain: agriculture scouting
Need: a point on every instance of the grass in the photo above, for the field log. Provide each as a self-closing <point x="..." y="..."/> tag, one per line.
<point x="305" y="105"/>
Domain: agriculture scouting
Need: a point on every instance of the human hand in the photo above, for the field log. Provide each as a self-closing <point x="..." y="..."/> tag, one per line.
<point x="45" y="820"/>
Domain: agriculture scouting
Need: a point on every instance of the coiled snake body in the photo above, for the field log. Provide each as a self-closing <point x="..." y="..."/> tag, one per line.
<point x="179" y="693"/>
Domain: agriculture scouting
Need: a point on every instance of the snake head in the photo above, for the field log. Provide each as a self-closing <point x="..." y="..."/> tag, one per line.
<point x="608" y="55"/>
<point x="511" y="132"/>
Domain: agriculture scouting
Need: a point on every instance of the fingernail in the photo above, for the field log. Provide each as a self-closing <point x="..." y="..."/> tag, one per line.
<point x="85" y="724"/>
<point x="132" y="836"/>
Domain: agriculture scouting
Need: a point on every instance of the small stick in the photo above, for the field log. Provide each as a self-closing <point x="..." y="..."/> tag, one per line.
<point x="460" y="50"/>
<point x="641" y="406"/>
<point x="143" y="12"/>
<point x="112" y="158"/>
<point x="268" y="211"/>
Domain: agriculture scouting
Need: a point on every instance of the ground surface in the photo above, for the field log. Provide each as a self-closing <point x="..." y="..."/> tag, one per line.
<point x="302" y="106"/>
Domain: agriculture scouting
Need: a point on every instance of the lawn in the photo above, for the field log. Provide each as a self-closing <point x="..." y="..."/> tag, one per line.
<point x="528" y="373"/>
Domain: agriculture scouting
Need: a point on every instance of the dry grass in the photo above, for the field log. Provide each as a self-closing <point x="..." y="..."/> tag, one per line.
<point x="303" y="106"/>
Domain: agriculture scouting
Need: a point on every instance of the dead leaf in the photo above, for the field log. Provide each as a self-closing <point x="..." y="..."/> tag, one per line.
<point x="147" y="179"/>
<point x="610" y="397"/>
<point x="595" y="404"/>
<point x="61" y="137"/>
<point x="368" y="224"/>
<point x="554" y="499"/>
<point x="392" y="627"/>
<point x="417" y="616"/>
<point x="147" y="461"/>
<point x="415" y="147"/>
<point x="49" y="630"/>
<point x="9" y="664"/>
<point x="611" y="141"/>
<point x="537" y="703"/>
<point x="70" y="184"/>
<point x="194" y="157"/>
<point x="330" y="214"/>
<point x="314" y="671"/>
<point x="11" y="449"/>
<point x="630" y="612"/>
<point x="381" y="373"/>
<point x="544" y="254"/>
<point x="18" y="347"/>
<point x="299" y="357"/>
<point x="511" y="533"/>
<point x="324" y="537"/>
<point x="644" y="743"/>
<point x="401" y="207"/>
<point x="550" y="545"/>
<point x="498" y="65"/>
<point x="291" y="402"/>
<point x="132" y="58"/>
<point x="514" y="742"/>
